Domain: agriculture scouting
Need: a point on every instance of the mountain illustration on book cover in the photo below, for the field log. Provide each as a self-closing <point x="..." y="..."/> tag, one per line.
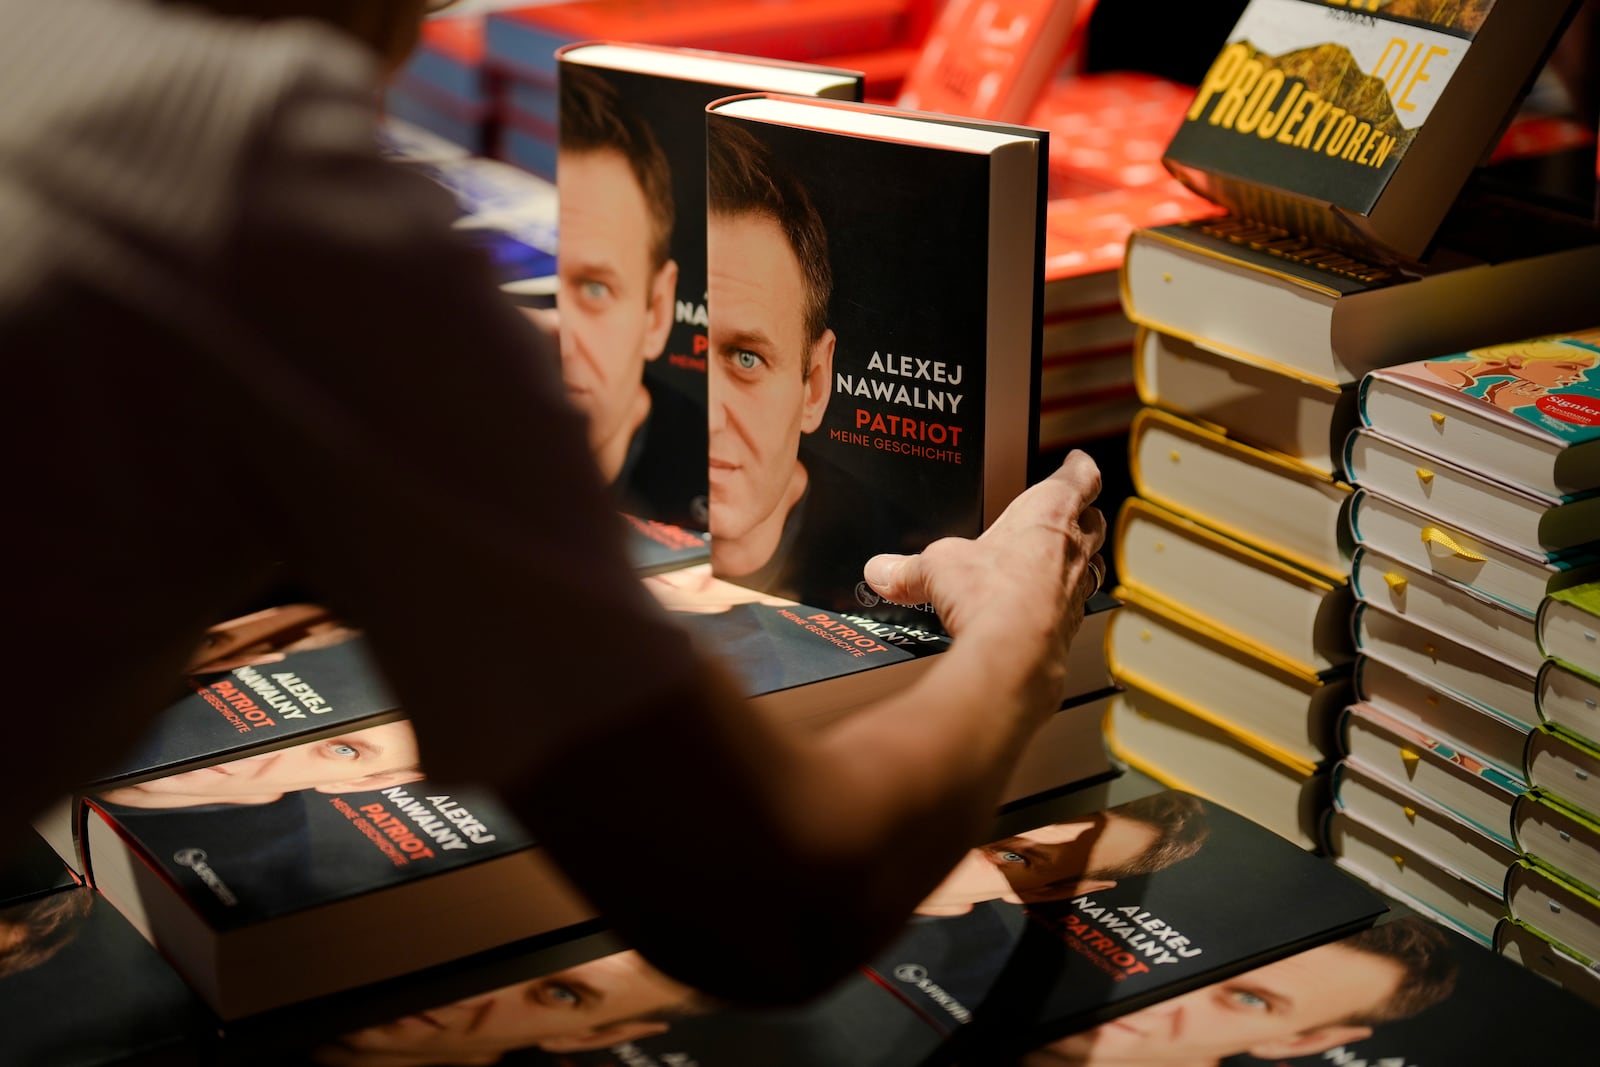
<point x="1313" y="105"/>
<point x="631" y="176"/>
<point x="862" y="341"/>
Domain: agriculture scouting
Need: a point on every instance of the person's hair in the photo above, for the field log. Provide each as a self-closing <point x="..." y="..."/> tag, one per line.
<point x="1428" y="970"/>
<point x="1498" y="359"/>
<point x="1179" y="821"/>
<point x="389" y="27"/>
<point x="743" y="178"/>
<point x="595" y="118"/>
<point x="47" y="925"/>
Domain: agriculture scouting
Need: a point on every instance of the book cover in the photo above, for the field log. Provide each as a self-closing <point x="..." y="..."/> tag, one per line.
<point x="80" y="988"/>
<point x="1258" y="497"/>
<point x="1111" y="126"/>
<point x="1526" y="412"/>
<point x="1569" y="626"/>
<point x="1569" y="698"/>
<point x="1511" y="576"/>
<point x="30" y="868"/>
<point x="1303" y="418"/>
<point x="1359" y="123"/>
<point x="1164" y="741"/>
<point x="1334" y="315"/>
<point x="631" y="183"/>
<point x="1547" y="900"/>
<point x="874" y="358"/>
<point x="1441" y="991"/>
<point x="1558" y="836"/>
<point x="1266" y="604"/>
<point x="289" y="886"/>
<point x="1413" y="759"/>
<point x="1432" y="482"/>
<point x="1445" y="607"/>
<point x="1533" y="949"/>
<point x="655" y="546"/>
<point x="1564" y="765"/>
<point x="992" y="60"/>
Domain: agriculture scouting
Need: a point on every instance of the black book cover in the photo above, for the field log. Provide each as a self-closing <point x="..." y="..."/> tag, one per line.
<point x="655" y="546"/>
<point x="632" y="299"/>
<point x="870" y="377"/>
<point x="31" y="868"/>
<point x="80" y="987"/>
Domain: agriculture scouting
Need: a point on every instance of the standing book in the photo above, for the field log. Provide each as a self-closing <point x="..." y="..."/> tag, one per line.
<point x="1360" y="122"/>
<point x="874" y="356"/>
<point x="631" y="178"/>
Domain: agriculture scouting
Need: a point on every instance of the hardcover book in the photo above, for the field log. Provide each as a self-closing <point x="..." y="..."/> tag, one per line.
<point x="1437" y="713"/>
<point x="655" y="546"/>
<point x="989" y="60"/>
<point x="80" y="988"/>
<point x="1334" y="316"/>
<point x="1569" y="698"/>
<point x="1183" y="751"/>
<point x="1414" y="819"/>
<point x="1300" y="417"/>
<point x="1443" y="991"/>
<point x="1534" y="950"/>
<point x="1259" y="497"/>
<point x="1506" y="574"/>
<point x="874" y="360"/>
<point x="1432" y="482"/>
<point x="1359" y="123"/>
<point x="1543" y="898"/>
<point x="1566" y="766"/>
<point x="1460" y="669"/>
<point x="1526" y="413"/>
<point x="295" y="890"/>
<point x="1263" y="603"/>
<point x="631" y="179"/>
<point x="1411" y="758"/>
<point x="1569" y="627"/>
<point x="1445" y="608"/>
<point x="1558" y="835"/>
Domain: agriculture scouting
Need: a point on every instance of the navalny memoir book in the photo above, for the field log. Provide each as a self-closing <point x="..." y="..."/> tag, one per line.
<point x="631" y="176"/>
<point x="874" y="336"/>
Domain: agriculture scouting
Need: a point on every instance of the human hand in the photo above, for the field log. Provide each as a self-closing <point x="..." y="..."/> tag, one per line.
<point x="1023" y="581"/>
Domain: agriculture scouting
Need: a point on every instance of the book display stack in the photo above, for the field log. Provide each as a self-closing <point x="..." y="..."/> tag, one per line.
<point x="1257" y="326"/>
<point x="446" y="86"/>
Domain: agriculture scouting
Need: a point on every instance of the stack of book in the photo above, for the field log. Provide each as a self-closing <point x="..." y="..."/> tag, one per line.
<point x="1472" y="508"/>
<point x="1257" y="327"/>
<point x="446" y="86"/>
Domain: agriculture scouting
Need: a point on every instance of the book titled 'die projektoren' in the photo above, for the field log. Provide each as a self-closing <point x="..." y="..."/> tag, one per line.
<point x="631" y="177"/>
<point x="875" y="330"/>
<point x="1358" y="122"/>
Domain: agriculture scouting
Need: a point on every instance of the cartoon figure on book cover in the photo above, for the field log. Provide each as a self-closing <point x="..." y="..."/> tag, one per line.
<point x="615" y="303"/>
<point x="591" y="1005"/>
<point x="1519" y="375"/>
<point x="1309" y="1003"/>
<point x="781" y="522"/>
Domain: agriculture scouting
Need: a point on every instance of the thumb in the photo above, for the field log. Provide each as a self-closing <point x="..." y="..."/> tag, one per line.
<point x="897" y="578"/>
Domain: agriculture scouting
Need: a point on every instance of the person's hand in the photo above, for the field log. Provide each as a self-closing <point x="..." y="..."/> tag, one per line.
<point x="1024" y="581"/>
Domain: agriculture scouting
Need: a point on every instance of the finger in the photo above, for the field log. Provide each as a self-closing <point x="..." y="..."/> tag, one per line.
<point x="1092" y="522"/>
<point x="897" y="578"/>
<point x="1094" y="576"/>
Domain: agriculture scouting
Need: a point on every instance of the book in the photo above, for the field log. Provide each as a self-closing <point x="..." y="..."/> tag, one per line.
<point x="1401" y="871"/>
<point x="1568" y="625"/>
<point x="1569" y="698"/>
<point x="989" y="60"/>
<point x="30" y="868"/>
<point x="80" y="988"/>
<point x="1072" y="422"/>
<point x="1564" y="765"/>
<point x="654" y="546"/>
<point x="1445" y="608"/>
<point x="631" y="181"/>
<point x="1111" y="126"/>
<point x="1462" y="670"/>
<point x="523" y="41"/>
<point x="1072" y="374"/>
<point x="1163" y="740"/>
<point x="1508" y="575"/>
<point x="1443" y="986"/>
<point x="1413" y="759"/>
<point x="1068" y="750"/>
<point x="1334" y="316"/>
<point x="1300" y="417"/>
<point x="1359" y="124"/>
<point x="1263" y="498"/>
<point x="1261" y="602"/>
<point x="260" y="903"/>
<point x="1430" y="482"/>
<point x="1435" y="712"/>
<point x="1558" y="836"/>
<point x="1412" y="818"/>
<point x="1569" y="913"/>
<point x="1525" y="412"/>
<point x="248" y="713"/>
<point x="898" y="408"/>
<point x="1533" y="950"/>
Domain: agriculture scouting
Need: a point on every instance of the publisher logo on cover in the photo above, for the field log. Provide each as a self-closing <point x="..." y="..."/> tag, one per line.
<point x="866" y="597"/>
<point x="195" y="860"/>
<point x="1570" y="407"/>
<point x="916" y="976"/>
